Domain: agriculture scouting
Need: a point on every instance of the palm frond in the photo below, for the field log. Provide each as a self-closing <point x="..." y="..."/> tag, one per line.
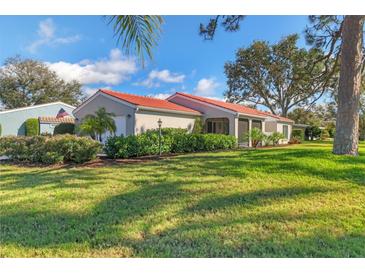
<point x="137" y="33"/>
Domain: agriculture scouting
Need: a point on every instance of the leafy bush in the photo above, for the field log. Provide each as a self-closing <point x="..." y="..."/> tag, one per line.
<point x="172" y="141"/>
<point x="298" y="133"/>
<point x="331" y="128"/>
<point x="31" y="127"/>
<point x="49" y="150"/>
<point x="313" y="132"/>
<point x="64" y="128"/>
<point x="324" y="134"/>
<point x="0" y="129"/>
<point x="276" y="137"/>
<point x="72" y="148"/>
<point x="198" y="126"/>
<point x="266" y="140"/>
<point x="256" y="136"/>
<point x="295" y="140"/>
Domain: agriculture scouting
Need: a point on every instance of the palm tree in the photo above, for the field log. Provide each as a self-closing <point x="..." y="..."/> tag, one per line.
<point x="96" y="125"/>
<point x="138" y="33"/>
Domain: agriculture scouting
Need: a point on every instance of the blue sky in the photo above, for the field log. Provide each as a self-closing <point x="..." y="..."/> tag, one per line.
<point x="83" y="48"/>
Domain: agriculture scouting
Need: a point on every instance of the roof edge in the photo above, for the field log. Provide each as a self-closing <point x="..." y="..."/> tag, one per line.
<point x="36" y="106"/>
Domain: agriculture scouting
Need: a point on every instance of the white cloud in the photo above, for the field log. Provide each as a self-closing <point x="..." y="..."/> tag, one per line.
<point x="206" y="87"/>
<point x="160" y="95"/>
<point x="46" y="36"/>
<point x="111" y="71"/>
<point x="88" y="91"/>
<point x="46" y="28"/>
<point x="155" y="77"/>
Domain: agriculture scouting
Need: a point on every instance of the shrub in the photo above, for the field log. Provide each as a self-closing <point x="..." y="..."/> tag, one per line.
<point x="49" y="150"/>
<point x="298" y="133"/>
<point x="172" y="141"/>
<point x="256" y="136"/>
<point x="324" y="134"/>
<point x="0" y="129"/>
<point x="31" y="127"/>
<point x="266" y="140"/>
<point x="14" y="147"/>
<point x="198" y="126"/>
<point x="276" y="137"/>
<point x="331" y="128"/>
<point x="51" y="157"/>
<point x="64" y="128"/>
<point x="72" y="148"/>
<point x="313" y="132"/>
<point x="295" y="140"/>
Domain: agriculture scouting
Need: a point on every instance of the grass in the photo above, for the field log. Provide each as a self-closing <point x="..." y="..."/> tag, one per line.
<point x="298" y="201"/>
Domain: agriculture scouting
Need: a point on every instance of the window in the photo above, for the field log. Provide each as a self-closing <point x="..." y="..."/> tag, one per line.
<point x="217" y="125"/>
<point x="286" y="132"/>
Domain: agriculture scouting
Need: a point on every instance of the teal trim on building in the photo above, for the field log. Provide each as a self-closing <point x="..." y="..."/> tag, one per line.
<point x="13" y="121"/>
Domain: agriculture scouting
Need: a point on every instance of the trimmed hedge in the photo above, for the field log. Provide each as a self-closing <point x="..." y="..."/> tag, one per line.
<point x="64" y="128"/>
<point x="49" y="150"/>
<point x="172" y="141"/>
<point x="32" y="127"/>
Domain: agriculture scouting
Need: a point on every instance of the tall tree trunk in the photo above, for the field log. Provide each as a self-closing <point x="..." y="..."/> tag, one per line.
<point x="347" y="122"/>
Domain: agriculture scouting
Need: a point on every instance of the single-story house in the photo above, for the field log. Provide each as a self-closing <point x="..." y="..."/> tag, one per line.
<point x="135" y="114"/>
<point x="49" y="115"/>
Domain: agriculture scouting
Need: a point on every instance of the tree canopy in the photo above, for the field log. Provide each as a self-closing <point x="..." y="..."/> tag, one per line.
<point x="26" y="82"/>
<point x="278" y="76"/>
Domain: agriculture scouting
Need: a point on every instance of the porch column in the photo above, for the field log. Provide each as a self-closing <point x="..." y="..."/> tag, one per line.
<point x="236" y="127"/>
<point x="249" y="129"/>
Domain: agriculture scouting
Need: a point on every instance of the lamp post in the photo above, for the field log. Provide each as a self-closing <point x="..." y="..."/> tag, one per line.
<point x="159" y="122"/>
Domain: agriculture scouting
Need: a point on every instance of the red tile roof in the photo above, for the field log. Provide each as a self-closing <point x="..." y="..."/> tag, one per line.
<point x="234" y="107"/>
<point x="226" y="105"/>
<point x="148" y="101"/>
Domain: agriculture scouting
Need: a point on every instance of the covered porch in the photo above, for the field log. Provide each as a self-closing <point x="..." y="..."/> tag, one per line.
<point x="239" y="126"/>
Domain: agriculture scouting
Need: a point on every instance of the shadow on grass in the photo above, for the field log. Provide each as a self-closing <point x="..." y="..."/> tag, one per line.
<point x="106" y="226"/>
<point x="59" y="178"/>
<point x="299" y="161"/>
<point x="316" y="163"/>
<point x="255" y="198"/>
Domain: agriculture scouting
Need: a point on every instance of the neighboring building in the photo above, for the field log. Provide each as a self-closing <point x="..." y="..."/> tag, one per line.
<point x="136" y="114"/>
<point x="49" y="115"/>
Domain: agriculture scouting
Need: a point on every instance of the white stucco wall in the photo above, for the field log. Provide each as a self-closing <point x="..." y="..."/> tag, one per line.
<point x="110" y="105"/>
<point x="280" y="129"/>
<point x="145" y="120"/>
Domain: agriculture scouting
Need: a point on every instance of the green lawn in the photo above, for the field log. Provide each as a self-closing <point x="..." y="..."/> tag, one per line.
<point x="299" y="201"/>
